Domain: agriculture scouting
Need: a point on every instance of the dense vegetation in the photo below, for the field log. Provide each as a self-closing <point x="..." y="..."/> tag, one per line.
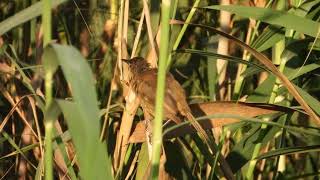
<point x="66" y="111"/>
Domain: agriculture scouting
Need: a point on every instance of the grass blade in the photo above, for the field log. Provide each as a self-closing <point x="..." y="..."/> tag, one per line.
<point x="276" y="17"/>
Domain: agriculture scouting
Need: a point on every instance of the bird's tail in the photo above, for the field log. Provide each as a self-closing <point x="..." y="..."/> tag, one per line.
<point x="204" y="136"/>
<point x="198" y="128"/>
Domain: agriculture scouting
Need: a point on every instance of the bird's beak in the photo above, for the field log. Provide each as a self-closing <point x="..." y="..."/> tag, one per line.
<point x="127" y="61"/>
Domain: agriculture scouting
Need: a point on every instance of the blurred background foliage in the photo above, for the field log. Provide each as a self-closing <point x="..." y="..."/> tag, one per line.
<point x="91" y="27"/>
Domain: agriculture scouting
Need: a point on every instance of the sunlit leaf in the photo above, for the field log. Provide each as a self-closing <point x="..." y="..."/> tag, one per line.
<point x="81" y="114"/>
<point x="275" y="17"/>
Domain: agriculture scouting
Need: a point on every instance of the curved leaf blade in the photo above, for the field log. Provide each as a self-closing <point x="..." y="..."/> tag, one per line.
<point x="25" y="15"/>
<point x="81" y="114"/>
<point x="275" y="17"/>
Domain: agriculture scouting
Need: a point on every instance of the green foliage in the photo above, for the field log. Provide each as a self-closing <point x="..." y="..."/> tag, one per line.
<point x="82" y="114"/>
<point x="84" y="75"/>
<point x="274" y="17"/>
<point x="24" y="16"/>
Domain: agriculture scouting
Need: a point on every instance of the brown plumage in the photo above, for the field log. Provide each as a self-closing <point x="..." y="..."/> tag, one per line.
<point x="144" y="83"/>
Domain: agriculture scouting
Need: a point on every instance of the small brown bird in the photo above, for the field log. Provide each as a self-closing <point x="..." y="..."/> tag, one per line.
<point x="143" y="81"/>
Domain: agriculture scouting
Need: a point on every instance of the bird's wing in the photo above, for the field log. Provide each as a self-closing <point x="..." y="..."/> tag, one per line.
<point x="179" y="94"/>
<point x="147" y="87"/>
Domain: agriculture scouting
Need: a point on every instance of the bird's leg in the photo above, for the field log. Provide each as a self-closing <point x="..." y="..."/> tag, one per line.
<point x="148" y="125"/>
<point x="148" y="131"/>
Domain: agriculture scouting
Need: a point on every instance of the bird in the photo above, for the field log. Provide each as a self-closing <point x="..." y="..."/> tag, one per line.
<point x="143" y="82"/>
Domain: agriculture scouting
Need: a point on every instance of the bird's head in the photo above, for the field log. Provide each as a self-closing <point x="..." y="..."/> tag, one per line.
<point x="137" y="64"/>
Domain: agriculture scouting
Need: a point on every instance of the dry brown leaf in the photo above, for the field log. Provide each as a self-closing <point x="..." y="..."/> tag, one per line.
<point x="266" y="62"/>
<point x="211" y="108"/>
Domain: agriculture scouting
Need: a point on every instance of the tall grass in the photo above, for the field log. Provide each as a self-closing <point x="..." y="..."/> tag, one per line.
<point x="76" y="99"/>
<point x="161" y="83"/>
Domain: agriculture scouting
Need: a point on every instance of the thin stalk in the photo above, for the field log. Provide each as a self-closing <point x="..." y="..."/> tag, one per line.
<point x="223" y="48"/>
<point x="113" y="18"/>
<point x="157" y="123"/>
<point x="242" y="67"/>
<point x="106" y="117"/>
<point x="252" y="32"/>
<point x="280" y="162"/>
<point x="277" y="60"/>
<point x="113" y="9"/>
<point x="48" y="149"/>
<point x="46" y="22"/>
<point x="277" y="51"/>
<point x="48" y="128"/>
<point x="183" y="30"/>
<point x="119" y="39"/>
<point x="174" y="10"/>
